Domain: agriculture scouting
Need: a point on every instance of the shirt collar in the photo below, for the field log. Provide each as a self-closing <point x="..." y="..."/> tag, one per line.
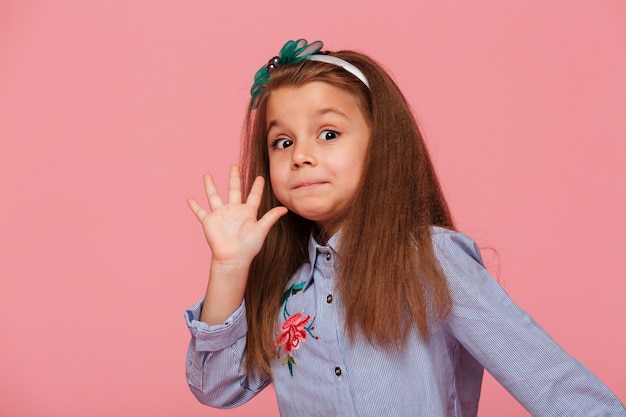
<point x="314" y="248"/>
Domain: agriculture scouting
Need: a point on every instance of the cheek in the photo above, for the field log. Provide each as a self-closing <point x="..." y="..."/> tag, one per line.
<point x="355" y="175"/>
<point x="279" y="167"/>
<point x="353" y="166"/>
<point x="275" y="182"/>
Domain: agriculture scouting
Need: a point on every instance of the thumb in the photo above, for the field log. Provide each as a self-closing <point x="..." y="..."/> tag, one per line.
<point x="270" y="218"/>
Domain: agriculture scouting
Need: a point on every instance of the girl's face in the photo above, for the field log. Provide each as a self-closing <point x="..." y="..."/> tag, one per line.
<point x="317" y="142"/>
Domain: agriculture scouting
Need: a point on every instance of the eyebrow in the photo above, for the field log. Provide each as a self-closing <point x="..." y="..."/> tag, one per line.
<point x="327" y="110"/>
<point x="319" y="113"/>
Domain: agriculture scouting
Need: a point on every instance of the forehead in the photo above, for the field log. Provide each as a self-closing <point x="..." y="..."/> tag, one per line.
<point x="315" y="98"/>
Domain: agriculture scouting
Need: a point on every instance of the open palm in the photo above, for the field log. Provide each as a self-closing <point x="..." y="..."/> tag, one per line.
<point x="232" y="229"/>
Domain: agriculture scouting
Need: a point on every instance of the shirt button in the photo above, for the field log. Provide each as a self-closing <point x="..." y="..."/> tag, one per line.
<point x="338" y="371"/>
<point x="329" y="298"/>
<point x="328" y="256"/>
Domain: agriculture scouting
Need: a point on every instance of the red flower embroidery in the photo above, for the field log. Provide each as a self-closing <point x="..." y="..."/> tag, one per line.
<point x="293" y="331"/>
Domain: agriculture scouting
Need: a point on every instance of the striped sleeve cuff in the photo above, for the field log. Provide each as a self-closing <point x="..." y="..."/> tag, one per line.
<point x="216" y="337"/>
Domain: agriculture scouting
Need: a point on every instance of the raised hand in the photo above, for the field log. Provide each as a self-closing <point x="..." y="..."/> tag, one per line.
<point x="235" y="236"/>
<point x="232" y="229"/>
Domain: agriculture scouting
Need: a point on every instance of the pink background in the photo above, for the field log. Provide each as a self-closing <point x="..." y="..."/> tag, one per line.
<point x="111" y="111"/>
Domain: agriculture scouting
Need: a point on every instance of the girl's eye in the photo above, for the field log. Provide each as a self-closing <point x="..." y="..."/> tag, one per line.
<point x="328" y="135"/>
<point x="282" y="143"/>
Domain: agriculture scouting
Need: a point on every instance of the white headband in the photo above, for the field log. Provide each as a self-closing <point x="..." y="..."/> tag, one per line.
<point x="329" y="59"/>
<point x="292" y="53"/>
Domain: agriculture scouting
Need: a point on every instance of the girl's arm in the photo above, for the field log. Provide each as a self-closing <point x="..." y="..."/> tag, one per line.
<point x="511" y="345"/>
<point x="235" y="237"/>
<point x="214" y="366"/>
<point x="218" y="323"/>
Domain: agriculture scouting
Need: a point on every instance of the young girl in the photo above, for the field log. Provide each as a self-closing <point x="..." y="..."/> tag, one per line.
<point x="340" y="277"/>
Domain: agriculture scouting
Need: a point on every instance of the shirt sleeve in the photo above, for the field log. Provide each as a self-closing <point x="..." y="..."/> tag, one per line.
<point x="214" y="369"/>
<point x="510" y="344"/>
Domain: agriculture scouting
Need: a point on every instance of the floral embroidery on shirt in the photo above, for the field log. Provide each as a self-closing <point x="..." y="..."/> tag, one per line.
<point x="294" y="329"/>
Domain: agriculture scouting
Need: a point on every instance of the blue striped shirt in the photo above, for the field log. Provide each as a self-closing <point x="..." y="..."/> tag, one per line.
<point x="319" y="371"/>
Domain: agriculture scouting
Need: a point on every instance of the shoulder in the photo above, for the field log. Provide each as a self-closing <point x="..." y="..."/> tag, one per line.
<point x="460" y="261"/>
<point x="450" y="245"/>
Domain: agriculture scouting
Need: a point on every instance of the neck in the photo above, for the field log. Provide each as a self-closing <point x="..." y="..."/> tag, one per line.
<point x="326" y="230"/>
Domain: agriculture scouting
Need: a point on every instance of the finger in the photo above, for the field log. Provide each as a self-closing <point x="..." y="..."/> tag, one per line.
<point x="234" y="185"/>
<point x="211" y="192"/>
<point x="270" y="218"/>
<point x="197" y="209"/>
<point x="256" y="192"/>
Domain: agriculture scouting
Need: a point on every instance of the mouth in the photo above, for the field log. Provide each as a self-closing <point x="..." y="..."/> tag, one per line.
<point x="309" y="184"/>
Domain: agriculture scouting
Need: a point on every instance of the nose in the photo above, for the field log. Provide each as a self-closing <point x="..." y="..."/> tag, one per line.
<point x="303" y="154"/>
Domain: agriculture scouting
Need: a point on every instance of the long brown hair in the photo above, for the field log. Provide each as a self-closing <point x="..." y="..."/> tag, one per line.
<point x="389" y="279"/>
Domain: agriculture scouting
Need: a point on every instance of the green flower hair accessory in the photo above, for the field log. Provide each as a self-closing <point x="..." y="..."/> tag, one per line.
<point x="291" y="53"/>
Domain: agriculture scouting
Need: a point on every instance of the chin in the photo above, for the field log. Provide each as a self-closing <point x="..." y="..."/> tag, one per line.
<point x="312" y="215"/>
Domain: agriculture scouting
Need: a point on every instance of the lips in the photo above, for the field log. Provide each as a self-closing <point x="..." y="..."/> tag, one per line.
<point x="309" y="184"/>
